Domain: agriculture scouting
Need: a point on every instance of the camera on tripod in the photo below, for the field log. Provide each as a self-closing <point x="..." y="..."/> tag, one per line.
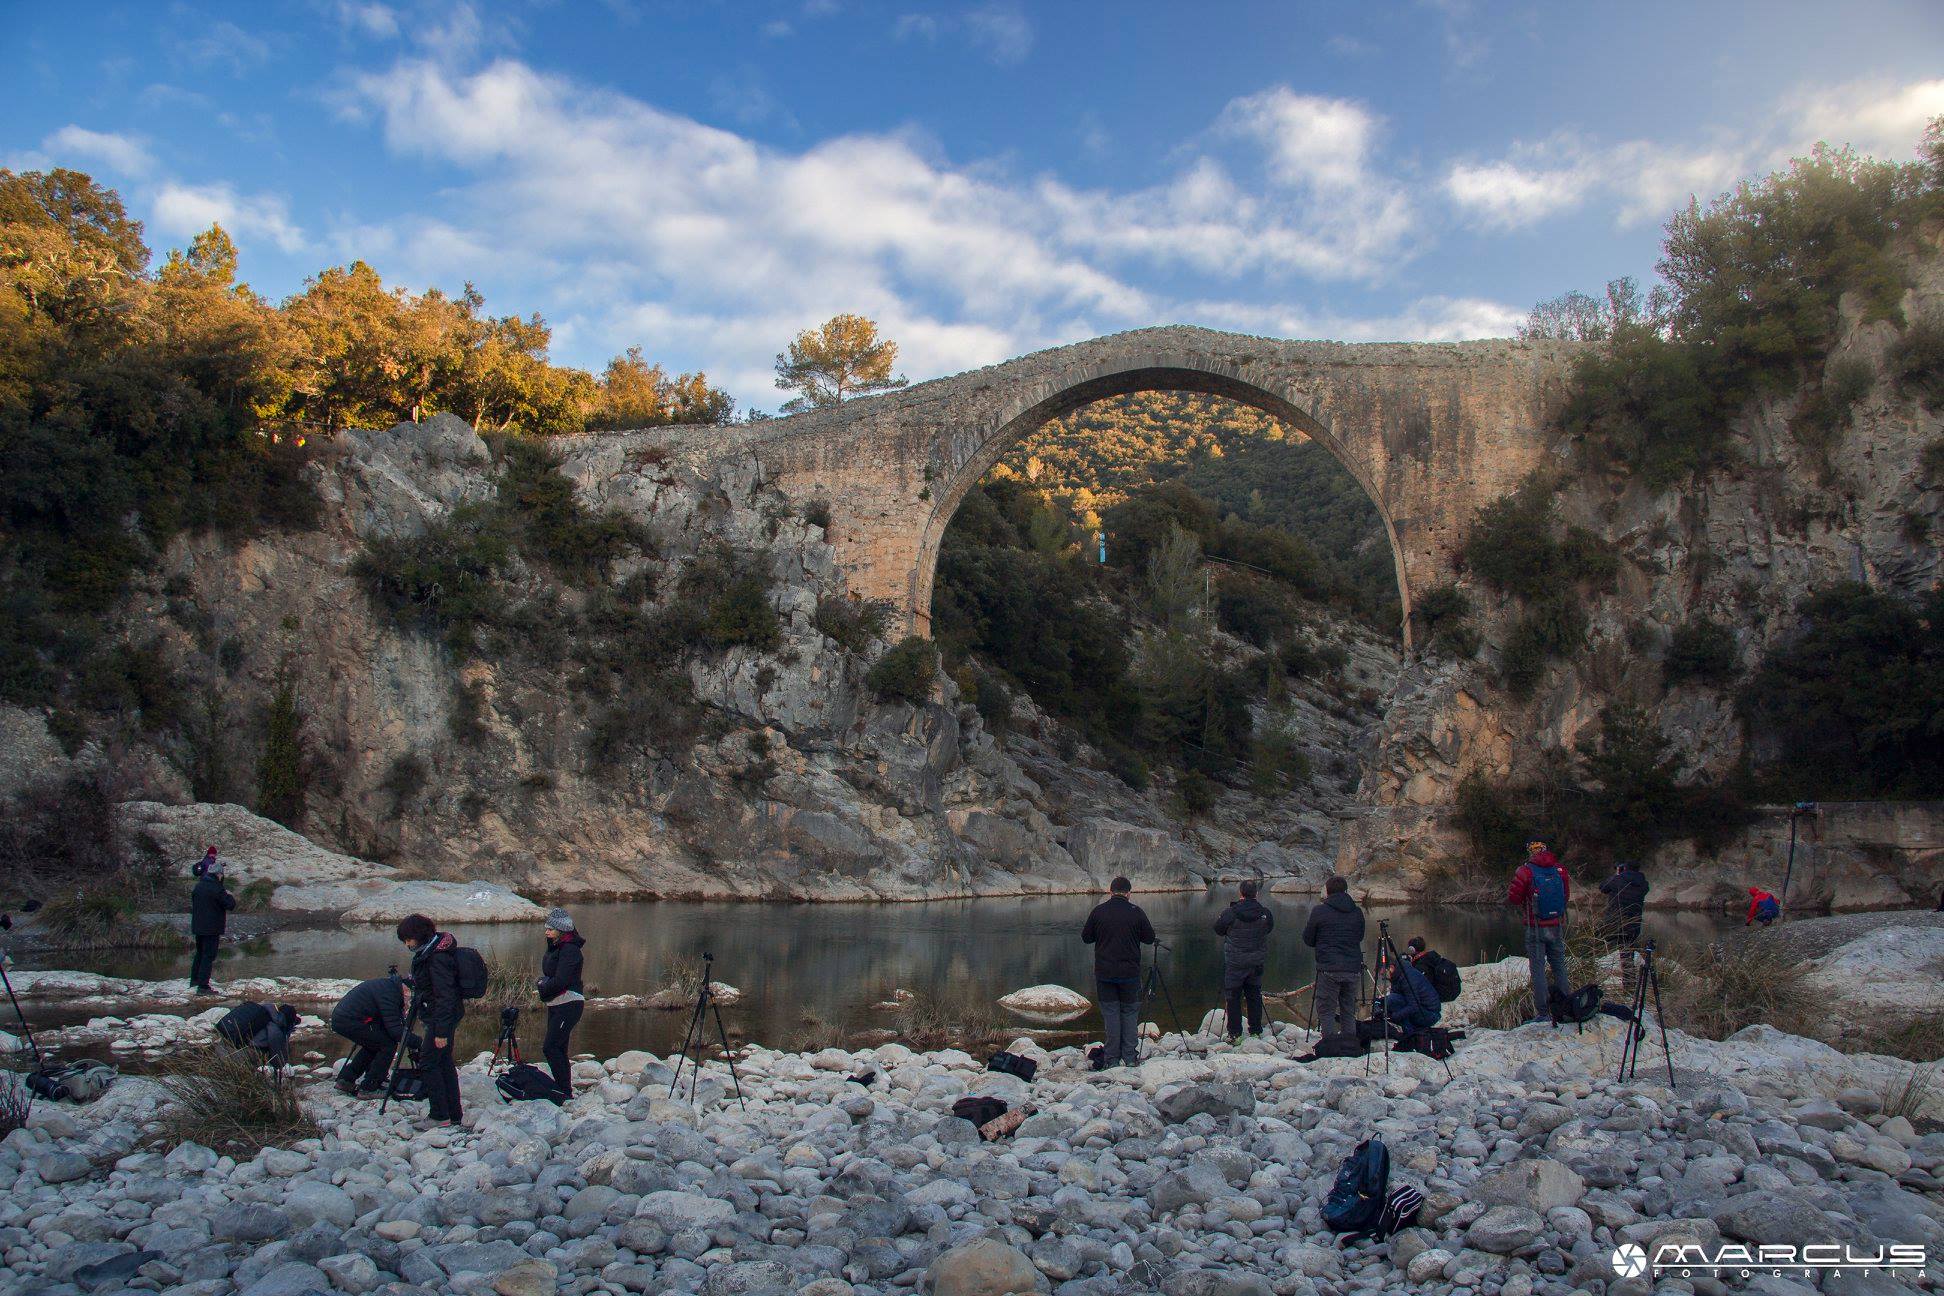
<point x="509" y="1017"/>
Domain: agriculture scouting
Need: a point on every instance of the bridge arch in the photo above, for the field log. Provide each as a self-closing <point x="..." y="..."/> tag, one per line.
<point x="963" y="456"/>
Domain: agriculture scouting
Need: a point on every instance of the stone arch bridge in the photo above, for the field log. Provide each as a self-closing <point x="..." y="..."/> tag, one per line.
<point x="1432" y="431"/>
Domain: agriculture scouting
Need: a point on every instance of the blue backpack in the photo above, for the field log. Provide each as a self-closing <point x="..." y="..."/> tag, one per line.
<point x="1767" y="909"/>
<point x="1357" y="1197"/>
<point x="1548" y="892"/>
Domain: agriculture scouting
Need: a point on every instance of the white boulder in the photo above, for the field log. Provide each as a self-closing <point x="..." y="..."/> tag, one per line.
<point x="1047" y="1001"/>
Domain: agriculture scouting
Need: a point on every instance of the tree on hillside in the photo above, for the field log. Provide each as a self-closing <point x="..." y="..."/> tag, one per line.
<point x="843" y="357"/>
<point x="631" y="393"/>
<point x="1579" y="317"/>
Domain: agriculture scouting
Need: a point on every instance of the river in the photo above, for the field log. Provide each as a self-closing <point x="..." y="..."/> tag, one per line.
<point x="833" y="961"/>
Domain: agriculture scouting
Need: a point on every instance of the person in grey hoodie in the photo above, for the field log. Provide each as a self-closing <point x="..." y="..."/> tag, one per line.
<point x="1335" y="931"/>
<point x="1244" y="928"/>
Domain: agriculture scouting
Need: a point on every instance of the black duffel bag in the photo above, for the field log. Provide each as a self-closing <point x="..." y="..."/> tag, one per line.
<point x="1013" y="1064"/>
<point x="525" y="1082"/>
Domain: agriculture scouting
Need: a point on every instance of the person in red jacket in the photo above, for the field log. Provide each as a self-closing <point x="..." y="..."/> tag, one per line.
<point x="1542" y="891"/>
<point x="1763" y="908"/>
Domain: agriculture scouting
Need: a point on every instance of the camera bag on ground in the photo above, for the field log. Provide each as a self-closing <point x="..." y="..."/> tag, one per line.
<point x="1580" y="1006"/>
<point x="1357" y="1197"/>
<point x="1434" y="1042"/>
<point x="979" y="1111"/>
<point x="1348" y="1044"/>
<point x="408" y="1082"/>
<point x="472" y="971"/>
<point x="524" y="1082"/>
<point x="1443" y="975"/>
<point x="1400" y="1211"/>
<point x="240" y="1024"/>
<point x="72" y="1082"/>
<point x="1013" y="1064"/>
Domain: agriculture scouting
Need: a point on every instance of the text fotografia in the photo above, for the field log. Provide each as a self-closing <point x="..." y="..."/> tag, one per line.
<point x="1685" y="1259"/>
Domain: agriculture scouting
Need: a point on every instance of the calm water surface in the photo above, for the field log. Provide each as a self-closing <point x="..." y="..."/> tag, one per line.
<point x="833" y="961"/>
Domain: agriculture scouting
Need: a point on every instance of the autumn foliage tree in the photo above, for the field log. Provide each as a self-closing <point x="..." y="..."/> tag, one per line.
<point x="841" y="358"/>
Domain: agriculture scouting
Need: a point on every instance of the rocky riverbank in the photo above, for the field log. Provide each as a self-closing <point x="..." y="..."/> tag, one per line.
<point x="1201" y="1173"/>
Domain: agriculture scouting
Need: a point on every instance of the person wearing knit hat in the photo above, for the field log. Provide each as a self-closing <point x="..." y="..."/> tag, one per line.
<point x="560" y="990"/>
<point x="210" y="903"/>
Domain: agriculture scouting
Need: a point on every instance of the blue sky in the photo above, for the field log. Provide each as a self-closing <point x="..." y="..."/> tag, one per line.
<point x="984" y="178"/>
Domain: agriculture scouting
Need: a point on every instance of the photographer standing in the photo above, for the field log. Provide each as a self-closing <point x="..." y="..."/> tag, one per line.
<point x="1335" y="931"/>
<point x="210" y="903"/>
<point x="435" y="995"/>
<point x="1117" y="928"/>
<point x="372" y="1017"/>
<point x="560" y="991"/>
<point x="1244" y="928"/>
<point x="1626" y="893"/>
<point x="1542" y="890"/>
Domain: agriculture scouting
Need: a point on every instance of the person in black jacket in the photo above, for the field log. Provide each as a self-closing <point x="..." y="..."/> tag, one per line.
<point x="1244" y="928"/>
<point x="1411" y="1006"/>
<point x="209" y="905"/>
<point x="1626" y="893"/>
<point x="437" y="1004"/>
<point x="560" y="990"/>
<point x="1117" y="928"/>
<point x="1335" y="931"/>
<point x="266" y="1031"/>
<point x="372" y="1017"/>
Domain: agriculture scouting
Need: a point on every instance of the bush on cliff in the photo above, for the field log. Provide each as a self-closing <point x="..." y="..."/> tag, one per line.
<point x="1702" y="651"/>
<point x="1855" y="705"/>
<point x="905" y="673"/>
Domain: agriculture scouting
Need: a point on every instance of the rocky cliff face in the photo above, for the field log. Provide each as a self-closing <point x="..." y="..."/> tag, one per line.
<point x="1741" y="548"/>
<point x="800" y="785"/>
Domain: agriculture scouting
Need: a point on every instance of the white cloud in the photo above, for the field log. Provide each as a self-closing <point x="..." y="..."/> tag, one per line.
<point x="1646" y="180"/>
<point x="1426" y="319"/>
<point x="1880" y="119"/>
<point x="1002" y="31"/>
<point x="122" y="153"/>
<point x="379" y="21"/>
<point x="915" y="26"/>
<point x="1345" y="46"/>
<point x="186" y="210"/>
<point x="613" y="202"/>
<point x="225" y="42"/>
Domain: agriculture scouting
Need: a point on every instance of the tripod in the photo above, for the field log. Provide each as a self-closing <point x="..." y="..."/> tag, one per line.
<point x="398" y="1057"/>
<point x="705" y="1004"/>
<point x="1156" y="979"/>
<point x="1379" y="1001"/>
<point x="1644" y="980"/>
<point x="507" y="1047"/>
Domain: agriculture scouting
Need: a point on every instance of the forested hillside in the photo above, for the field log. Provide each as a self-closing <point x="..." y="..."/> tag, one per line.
<point x="1243" y="461"/>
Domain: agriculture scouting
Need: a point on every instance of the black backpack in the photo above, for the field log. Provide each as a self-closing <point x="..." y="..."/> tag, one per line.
<point x="1443" y="975"/>
<point x="1348" y="1044"/>
<point x="1357" y="1197"/>
<point x="1013" y="1064"/>
<point x="1434" y="1042"/>
<point x="1400" y="1211"/>
<point x="525" y="1082"/>
<point x="1580" y="1006"/>
<point x="472" y="972"/>
<point x="979" y="1110"/>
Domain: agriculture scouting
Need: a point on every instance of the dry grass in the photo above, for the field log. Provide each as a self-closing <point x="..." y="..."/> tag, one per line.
<point x="1907" y="1095"/>
<point x="928" y="1023"/>
<point x="1744" y="983"/>
<point x="814" y="1034"/>
<point x="223" y="1100"/>
<point x="16" y="1100"/>
<point x="1507" y="1011"/>
<point x="102" y="917"/>
<point x="1915" y="1039"/>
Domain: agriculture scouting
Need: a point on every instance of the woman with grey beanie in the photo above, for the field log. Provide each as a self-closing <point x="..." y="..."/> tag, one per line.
<point x="560" y="991"/>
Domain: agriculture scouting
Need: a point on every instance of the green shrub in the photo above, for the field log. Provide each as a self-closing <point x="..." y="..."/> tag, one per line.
<point x="1492" y="818"/>
<point x="1548" y="629"/>
<point x="446" y="580"/>
<point x="1277" y="762"/>
<point x="994" y="703"/>
<point x="1916" y="359"/>
<point x="1251" y="609"/>
<point x="853" y="624"/>
<point x="283" y="776"/>
<point x="1703" y="651"/>
<point x="722" y="602"/>
<point x="1444" y="620"/>
<point x="1513" y="549"/>
<point x="1195" y="793"/>
<point x="905" y="673"/>
<point x="1852" y="706"/>
<point x="554" y="527"/>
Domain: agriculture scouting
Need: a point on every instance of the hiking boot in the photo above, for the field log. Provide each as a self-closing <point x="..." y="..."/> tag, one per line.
<point x="345" y="1087"/>
<point x="371" y="1093"/>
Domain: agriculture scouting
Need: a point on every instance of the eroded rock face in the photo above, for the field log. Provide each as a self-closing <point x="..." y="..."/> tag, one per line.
<point x="801" y="786"/>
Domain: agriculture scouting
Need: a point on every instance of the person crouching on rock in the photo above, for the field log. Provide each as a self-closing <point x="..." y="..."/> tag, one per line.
<point x="1763" y="907"/>
<point x="210" y="903"/>
<point x="1117" y="928"/>
<point x="560" y="990"/>
<point x="435" y="993"/>
<point x="372" y="1017"/>
<point x="264" y="1031"/>
<point x="1244" y="928"/>
<point x="1411" y="1006"/>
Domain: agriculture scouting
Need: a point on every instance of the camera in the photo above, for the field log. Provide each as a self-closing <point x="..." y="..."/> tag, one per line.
<point x="509" y="1015"/>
